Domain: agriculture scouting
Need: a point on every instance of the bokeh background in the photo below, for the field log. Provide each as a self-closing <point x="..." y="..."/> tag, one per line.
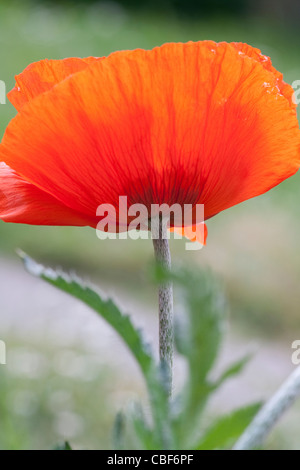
<point x="67" y="373"/>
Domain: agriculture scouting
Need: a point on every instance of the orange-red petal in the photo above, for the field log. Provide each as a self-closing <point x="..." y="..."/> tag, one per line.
<point x="254" y="53"/>
<point x="22" y="202"/>
<point x="42" y="76"/>
<point x="194" y="233"/>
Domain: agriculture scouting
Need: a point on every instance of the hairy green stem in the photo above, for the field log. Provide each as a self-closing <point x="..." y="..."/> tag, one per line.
<point x="165" y="300"/>
<point x="266" y="419"/>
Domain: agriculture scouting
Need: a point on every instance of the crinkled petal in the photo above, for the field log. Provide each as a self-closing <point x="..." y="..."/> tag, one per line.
<point x="42" y="76"/>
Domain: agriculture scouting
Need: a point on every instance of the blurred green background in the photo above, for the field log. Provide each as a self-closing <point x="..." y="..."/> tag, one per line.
<point x="55" y="385"/>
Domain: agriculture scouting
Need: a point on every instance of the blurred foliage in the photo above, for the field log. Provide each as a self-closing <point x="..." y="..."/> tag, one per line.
<point x="43" y="392"/>
<point x="174" y="423"/>
<point x="207" y="7"/>
<point x="287" y="11"/>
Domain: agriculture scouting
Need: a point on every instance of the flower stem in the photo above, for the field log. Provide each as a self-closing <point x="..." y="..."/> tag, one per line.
<point x="165" y="300"/>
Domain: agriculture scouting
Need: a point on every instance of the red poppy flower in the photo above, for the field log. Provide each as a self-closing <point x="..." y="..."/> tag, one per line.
<point x="183" y="123"/>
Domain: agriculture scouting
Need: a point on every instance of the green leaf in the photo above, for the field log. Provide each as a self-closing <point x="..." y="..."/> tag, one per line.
<point x="232" y="371"/>
<point x="105" y="307"/>
<point x="144" y="433"/>
<point x="123" y="325"/>
<point x="119" y="431"/>
<point x="64" y="446"/>
<point x="226" y="430"/>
